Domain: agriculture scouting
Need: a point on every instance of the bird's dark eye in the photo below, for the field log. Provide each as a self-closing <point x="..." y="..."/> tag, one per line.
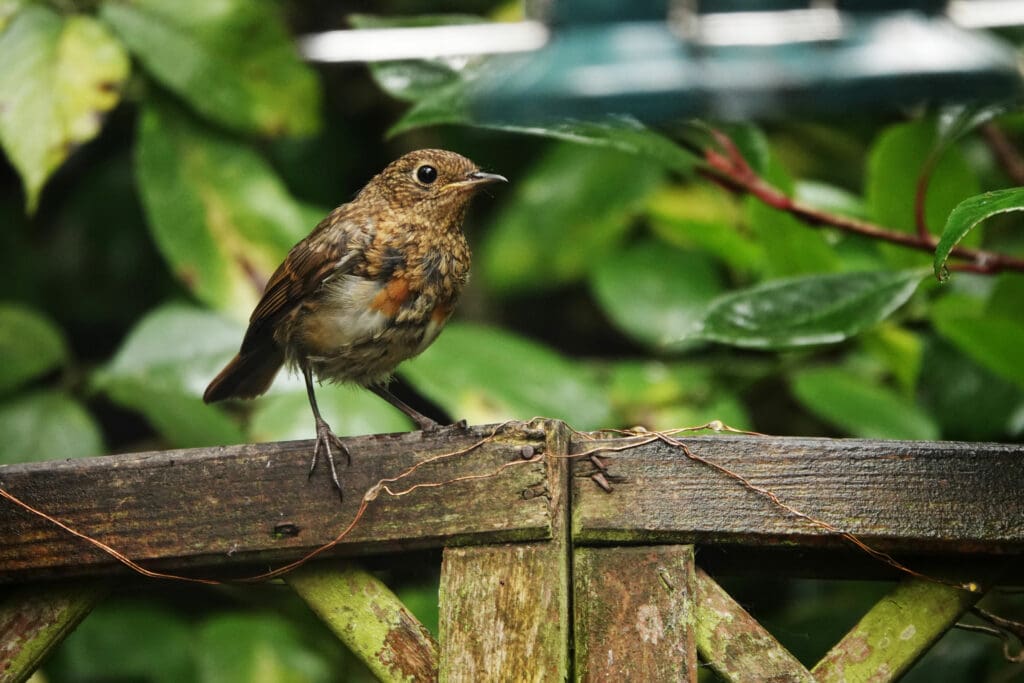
<point x="426" y="174"/>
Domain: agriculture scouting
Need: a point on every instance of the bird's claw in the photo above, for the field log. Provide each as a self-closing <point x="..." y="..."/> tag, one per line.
<point x="325" y="441"/>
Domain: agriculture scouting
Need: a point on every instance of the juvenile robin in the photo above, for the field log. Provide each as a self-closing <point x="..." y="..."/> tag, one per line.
<point x="371" y="286"/>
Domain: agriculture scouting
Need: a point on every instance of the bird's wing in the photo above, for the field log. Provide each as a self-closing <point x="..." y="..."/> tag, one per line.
<point x="325" y="253"/>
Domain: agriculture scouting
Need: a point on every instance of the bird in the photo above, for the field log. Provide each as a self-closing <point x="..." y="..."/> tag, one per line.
<point x="371" y="286"/>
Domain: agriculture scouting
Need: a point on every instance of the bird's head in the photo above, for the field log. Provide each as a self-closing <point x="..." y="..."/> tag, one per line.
<point x="430" y="181"/>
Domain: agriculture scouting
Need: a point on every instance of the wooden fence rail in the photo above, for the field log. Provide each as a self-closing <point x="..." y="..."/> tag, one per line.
<point x="578" y="581"/>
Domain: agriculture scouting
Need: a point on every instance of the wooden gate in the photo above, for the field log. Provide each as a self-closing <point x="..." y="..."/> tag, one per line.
<point x="566" y="555"/>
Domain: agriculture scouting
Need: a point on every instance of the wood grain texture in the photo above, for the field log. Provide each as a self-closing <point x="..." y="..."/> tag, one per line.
<point x="634" y="614"/>
<point x="897" y="495"/>
<point x="505" y="608"/>
<point x="254" y="503"/>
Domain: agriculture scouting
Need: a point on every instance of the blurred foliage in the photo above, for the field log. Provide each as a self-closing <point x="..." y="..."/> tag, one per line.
<point x="162" y="157"/>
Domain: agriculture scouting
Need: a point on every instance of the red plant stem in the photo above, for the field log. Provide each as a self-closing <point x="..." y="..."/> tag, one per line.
<point x="1005" y="152"/>
<point x="921" y="197"/>
<point x="738" y="177"/>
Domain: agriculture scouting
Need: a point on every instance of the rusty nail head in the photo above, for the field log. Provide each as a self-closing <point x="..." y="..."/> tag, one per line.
<point x="601" y="481"/>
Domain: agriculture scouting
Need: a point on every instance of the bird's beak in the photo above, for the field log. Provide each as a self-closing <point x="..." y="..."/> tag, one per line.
<point x="481" y="178"/>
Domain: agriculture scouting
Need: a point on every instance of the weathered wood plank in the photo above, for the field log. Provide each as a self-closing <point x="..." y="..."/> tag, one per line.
<point x="36" y="618"/>
<point x="634" y="614"/>
<point x="897" y="495"/>
<point x="369" y="618"/>
<point x="254" y="503"/>
<point x="505" y="609"/>
<point x="895" y="633"/>
<point x="735" y="645"/>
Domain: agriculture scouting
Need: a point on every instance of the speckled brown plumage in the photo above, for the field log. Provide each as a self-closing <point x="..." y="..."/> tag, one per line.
<point x="371" y="286"/>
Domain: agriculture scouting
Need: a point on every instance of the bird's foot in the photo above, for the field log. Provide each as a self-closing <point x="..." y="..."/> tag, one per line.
<point x="326" y="440"/>
<point x="424" y="423"/>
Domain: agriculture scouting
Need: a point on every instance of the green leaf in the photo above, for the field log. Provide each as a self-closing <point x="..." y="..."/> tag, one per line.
<point x="993" y="341"/>
<point x="829" y="198"/>
<point x="970" y="402"/>
<point x="412" y="80"/>
<point x="655" y="294"/>
<point x="286" y="415"/>
<point x="163" y="367"/>
<point x="221" y="217"/>
<point x="900" y="352"/>
<point x="668" y="396"/>
<point x="620" y="133"/>
<point x="570" y="211"/>
<point x="956" y="121"/>
<point x="968" y="214"/>
<point x="805" y="311"/>
<point x="869" y="411"/>
<point x="30" y="345"/>
<point x="258" y="648"/>
<point x="440" y="92"/>
<point x="790" y="246"/>
<point x="8" y="8"/>
<point x="60" y="76"/>
<point x="128" y="641"/>
<point x="703" y="216"/>
<point x="482" y="374"/>
<point x="896" y="161"/>
<point x="232" y="61"/>
<point x="47" y="425"/>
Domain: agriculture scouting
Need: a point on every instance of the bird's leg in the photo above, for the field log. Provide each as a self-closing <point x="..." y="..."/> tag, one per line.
<point x="421" y="420"/>
<point x="325" y="438"/>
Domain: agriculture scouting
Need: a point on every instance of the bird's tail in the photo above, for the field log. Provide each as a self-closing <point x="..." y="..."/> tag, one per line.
<point x="248" y="375"/>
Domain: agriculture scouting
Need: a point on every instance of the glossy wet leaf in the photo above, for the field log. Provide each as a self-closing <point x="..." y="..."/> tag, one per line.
<point x="233" y="61"/>
<point x="970" y="213"/>
<point x="569" y="212"/>
<point x="808" y="310"/>
<point x="61" y="74"/>
<point x="218" y="212"/>
<point x="862" y="409"/>
<point x="30" y="345"/>
<point x="440" y="90"/>
<point x="256" y="647"/>
<point x="654" y="293"/>
<point x="285" y="415"/>
<point x="482" y="374"/>
<point x="163" y="367"/>
<point x="47" y="425"/>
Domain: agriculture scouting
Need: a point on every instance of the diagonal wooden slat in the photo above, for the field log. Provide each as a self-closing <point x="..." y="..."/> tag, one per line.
<point x="895" y="633"/>
<point x="35" y="618"/>
<point x="735" y="645"/>
<point x="369" y="619"/>
<point x="634" y="614"/>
